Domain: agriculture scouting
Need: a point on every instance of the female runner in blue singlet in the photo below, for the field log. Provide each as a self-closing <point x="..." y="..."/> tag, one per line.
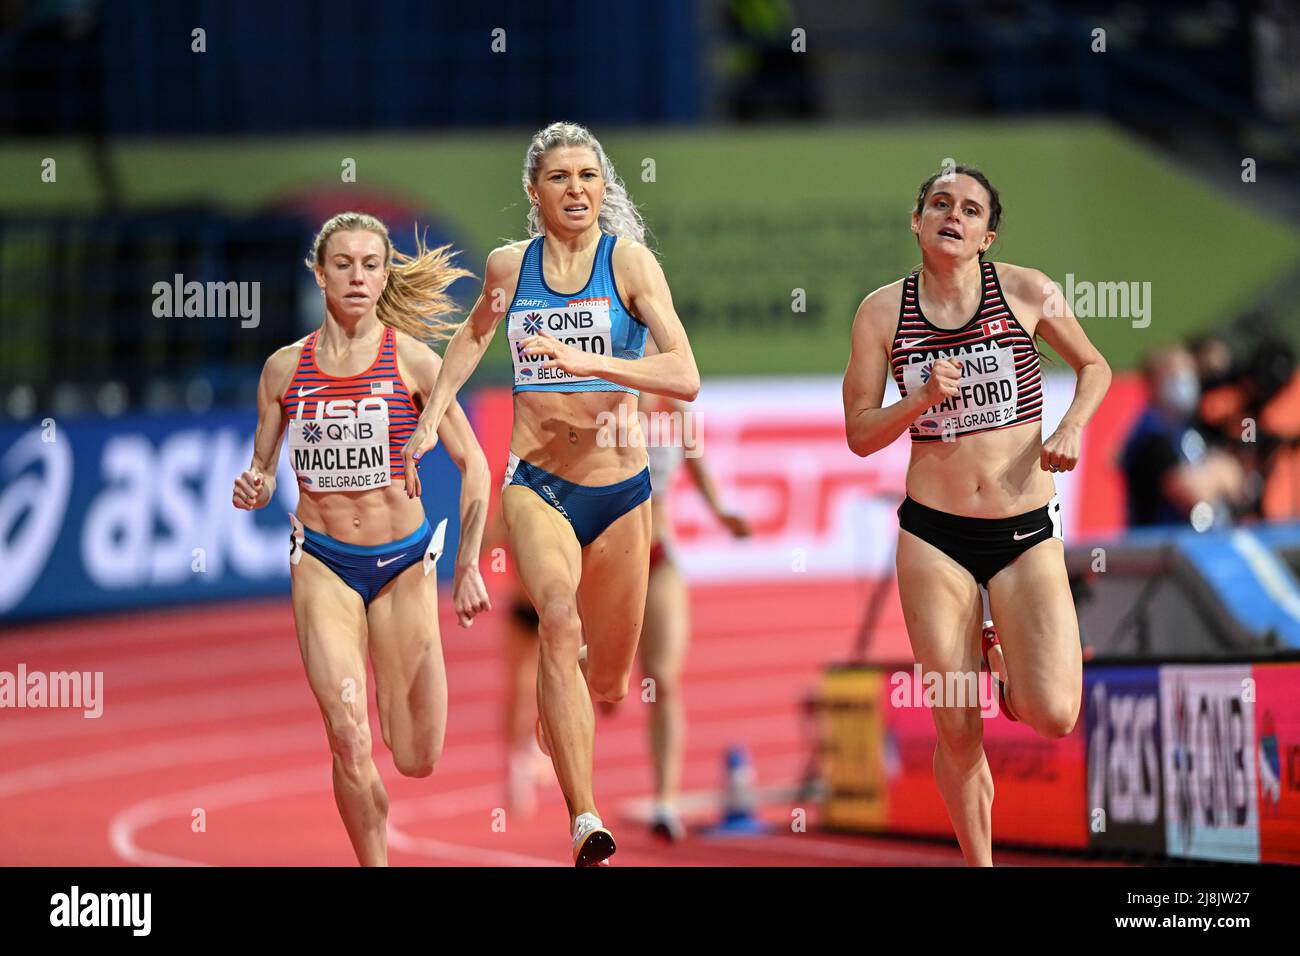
<point x="362" y="551"/>
<point x="578" y="299"/>
<point x="981" y="509"/>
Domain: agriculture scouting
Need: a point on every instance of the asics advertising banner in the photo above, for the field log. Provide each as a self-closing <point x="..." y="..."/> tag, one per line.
<point x="99" y="514"/>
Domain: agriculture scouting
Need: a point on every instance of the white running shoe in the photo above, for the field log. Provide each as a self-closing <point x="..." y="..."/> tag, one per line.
<point x="666" y="825"/>
<point x="593" y="845"/>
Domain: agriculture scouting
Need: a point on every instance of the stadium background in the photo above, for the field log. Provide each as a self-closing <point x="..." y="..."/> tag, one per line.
<point x="777" y="184"/>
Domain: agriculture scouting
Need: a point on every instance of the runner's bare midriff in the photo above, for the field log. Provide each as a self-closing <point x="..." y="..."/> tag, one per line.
<point x="992" y="474"/>
<point x="370" y="517"/>
<point x="582" y="437"/>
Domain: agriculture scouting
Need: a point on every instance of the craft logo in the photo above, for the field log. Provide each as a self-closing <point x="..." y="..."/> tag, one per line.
<point x="555" y="501"/>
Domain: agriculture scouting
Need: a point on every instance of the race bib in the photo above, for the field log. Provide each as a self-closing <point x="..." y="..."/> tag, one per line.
<point x="344" y="453"/>
<point x="582" y="323"/>
<point x="986" y="392"/>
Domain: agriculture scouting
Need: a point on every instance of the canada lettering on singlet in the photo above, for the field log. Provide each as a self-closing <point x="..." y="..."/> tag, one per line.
<point x="583" y="323"/>
<point x="999" y="384"/>
<point x="986" y="392"/>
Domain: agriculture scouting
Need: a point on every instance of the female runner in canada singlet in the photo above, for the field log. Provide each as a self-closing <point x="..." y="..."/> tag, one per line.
<point x="981" y="508"/>
<point x="362" y="551"/>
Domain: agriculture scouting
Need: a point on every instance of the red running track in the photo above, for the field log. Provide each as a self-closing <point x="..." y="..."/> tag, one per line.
<point x="207" y="708"/>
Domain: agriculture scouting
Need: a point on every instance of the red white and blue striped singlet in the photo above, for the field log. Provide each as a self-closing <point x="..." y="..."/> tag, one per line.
<point x="347" y="433"/>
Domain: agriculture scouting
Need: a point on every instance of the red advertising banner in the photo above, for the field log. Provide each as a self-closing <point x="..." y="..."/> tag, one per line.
<point x="1277" y="749"/>
<point x="1039" y="783"/>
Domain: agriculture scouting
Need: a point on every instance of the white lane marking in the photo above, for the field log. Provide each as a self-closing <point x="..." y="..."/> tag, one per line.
<point x="110" y="764"/>
<point x="453" y="803"/>
<point x="125" y="824"/>
<point x="288" y="695"/>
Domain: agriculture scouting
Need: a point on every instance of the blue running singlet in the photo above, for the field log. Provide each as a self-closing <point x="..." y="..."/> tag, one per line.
<point x="594" y="319"/>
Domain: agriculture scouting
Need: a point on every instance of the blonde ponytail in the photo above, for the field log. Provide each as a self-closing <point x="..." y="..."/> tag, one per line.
<point x="415" y="299"/>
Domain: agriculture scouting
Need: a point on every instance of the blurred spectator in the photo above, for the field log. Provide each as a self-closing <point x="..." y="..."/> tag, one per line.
<point x="1169" y="469"/>
<point x="1213" y="359"/>
<point x="1275" y="404"/>
<point x="1251" y="409"/>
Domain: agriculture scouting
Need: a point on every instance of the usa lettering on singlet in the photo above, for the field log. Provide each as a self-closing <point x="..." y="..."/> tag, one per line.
<point x="582" y="323"/>
<point x="342" y="445"/>
<point x="346" y="433"/>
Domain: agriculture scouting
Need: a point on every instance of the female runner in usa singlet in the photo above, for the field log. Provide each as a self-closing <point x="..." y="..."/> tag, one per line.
<point x="981" y="510"/>
<point x="362" y="552"/>
<point x="578" y="299"/>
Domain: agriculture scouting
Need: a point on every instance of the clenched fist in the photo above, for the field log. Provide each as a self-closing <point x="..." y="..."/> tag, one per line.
<point x="944" y="376"/>
<point x="252" y="490"/>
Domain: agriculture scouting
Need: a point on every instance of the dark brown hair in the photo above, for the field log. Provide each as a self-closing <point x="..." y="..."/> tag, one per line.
<point x="995" y="203"/>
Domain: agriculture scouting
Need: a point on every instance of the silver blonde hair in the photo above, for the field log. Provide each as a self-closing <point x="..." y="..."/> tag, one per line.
<point x="618" y="214"/>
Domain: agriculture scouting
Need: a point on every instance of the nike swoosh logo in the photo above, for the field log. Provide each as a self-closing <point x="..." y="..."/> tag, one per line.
<point x="915" y="342"/>
<point x="304" y="392"/>
<point x="389" y="561"/>
<point x="1021" y="537"/>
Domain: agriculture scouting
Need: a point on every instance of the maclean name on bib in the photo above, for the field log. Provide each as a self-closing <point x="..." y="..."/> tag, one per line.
<point x="344" y="447"/>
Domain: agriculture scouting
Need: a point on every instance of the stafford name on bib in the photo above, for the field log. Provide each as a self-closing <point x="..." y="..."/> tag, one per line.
<point x="582" y="323"/>
<point x="986" y="391"/>
<point x="343" y="447"/>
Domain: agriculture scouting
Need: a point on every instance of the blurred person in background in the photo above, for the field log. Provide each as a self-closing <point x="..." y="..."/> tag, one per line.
<point x="1273" y="402"/>
<point x="1213" y="356"/>
<point x="1169" y="468"/>
<point x="666" y="631"/>
<point x="362" y="553"/>
<point x="525" y="766"/>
